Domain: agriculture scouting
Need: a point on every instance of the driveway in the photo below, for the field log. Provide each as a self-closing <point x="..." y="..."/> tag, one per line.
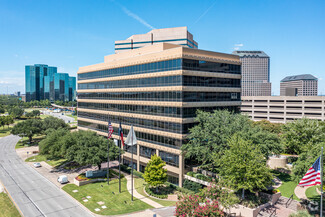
<point x="32" y="192"/>
<point x="66" y="119"/>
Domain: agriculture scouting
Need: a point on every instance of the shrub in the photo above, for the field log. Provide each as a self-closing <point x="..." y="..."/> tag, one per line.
<point x="193" y="186"/>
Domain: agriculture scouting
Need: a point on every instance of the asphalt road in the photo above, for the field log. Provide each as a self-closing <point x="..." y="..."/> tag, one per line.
<point x="33" y="193"/>
<point x="66" y="119"/>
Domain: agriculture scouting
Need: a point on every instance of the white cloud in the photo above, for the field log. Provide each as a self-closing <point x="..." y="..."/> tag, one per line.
<point x="238" y="46"/>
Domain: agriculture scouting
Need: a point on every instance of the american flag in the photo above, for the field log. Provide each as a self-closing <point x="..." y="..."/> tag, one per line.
<point x="312" y="176"/>
<point x="120" y="132"/>
<point x="110" y="130"/>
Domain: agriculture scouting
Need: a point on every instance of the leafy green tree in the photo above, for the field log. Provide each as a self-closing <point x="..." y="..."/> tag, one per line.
<point x="268" y="126"/>
<point x="90" y="148"/>
<point x="209" y="138"/>
<point x="2" y="110"/>
<point x="16" y="112"/>
<point x="54" y="144"/>
<point x="301" y="135"/>
<point x="53" y="123"/>
<point x="154" y="173"/>
<point x="28" y="128"/>
<point x="8" y="120"/>
<point x="244" y="167"/>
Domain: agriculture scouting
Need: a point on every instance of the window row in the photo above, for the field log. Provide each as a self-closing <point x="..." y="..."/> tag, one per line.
<point x="175" y="96"/>
<point x="167" y="65"/>
<point x="139" y="122"/>
<point x="153" y="110"/>
<point x="164" y="81"/>
<point x="141" y="136"/>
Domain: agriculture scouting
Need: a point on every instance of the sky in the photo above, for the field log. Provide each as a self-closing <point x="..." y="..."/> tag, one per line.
<point x="70" y="34"/>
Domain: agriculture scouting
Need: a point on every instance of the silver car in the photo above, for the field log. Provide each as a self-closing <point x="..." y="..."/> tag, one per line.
<point x="36" y="165"/>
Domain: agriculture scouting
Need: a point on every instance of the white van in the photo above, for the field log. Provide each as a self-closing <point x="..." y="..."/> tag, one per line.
<point x="63" y="179"/>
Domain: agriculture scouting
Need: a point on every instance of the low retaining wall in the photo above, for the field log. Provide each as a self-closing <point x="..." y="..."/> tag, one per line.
<point x="277" y="162"/>
<point x="81" y="183"/>
<point x="197" y="180"/>
<point x="253" y="212"/>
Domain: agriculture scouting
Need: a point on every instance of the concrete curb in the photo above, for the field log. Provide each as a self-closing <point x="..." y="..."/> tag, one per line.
<point x="12" y="200"/>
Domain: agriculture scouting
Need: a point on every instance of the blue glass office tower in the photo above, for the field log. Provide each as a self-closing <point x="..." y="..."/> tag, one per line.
<point x="43" y="82"/>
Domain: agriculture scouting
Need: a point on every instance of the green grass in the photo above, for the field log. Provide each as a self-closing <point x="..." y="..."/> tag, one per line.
<point x="7" y="208"/>
<point x="5" y="131"/>
<point x="44" y="116"/>
<point x="288" y="186"/>
<point x="24" y="142"/>
<point x="40" y="158"/>
<point x="139" y="186"/>
<point x="312" y="194"/>
<point x="117" y="203"/>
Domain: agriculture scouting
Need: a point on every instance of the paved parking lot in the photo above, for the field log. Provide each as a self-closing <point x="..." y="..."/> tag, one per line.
<point x="32" y="192"/>
<point x="59" y="115"/>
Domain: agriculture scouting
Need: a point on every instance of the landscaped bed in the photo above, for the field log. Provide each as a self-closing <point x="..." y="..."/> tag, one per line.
<point x="288" y="186"/>
<point x="116" y="203"/>
<point x="139" y="185"/>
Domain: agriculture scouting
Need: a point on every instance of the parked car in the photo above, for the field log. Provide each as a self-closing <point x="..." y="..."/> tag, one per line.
<point x="36" y="165"/>
<point x="63" y="179"/>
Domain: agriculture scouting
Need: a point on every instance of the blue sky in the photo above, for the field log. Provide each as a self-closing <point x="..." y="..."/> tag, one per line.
<point x="70" y="34"/>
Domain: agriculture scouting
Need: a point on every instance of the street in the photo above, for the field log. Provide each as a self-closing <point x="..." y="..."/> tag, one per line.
<point x="33" y="193"/>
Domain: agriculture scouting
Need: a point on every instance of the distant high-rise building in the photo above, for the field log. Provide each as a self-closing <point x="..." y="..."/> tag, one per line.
<point x="177" y="35"/>
<point x="43" y="82"/>
<point x="255" y="73"/>
<point x="299" y="85"/>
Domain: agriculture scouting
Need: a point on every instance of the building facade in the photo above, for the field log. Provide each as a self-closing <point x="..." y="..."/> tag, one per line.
<point x="281" y="109"/>
<point x="178" y="35"/>
<point x="255" y="73"/>
<point x="157" y="89"/>
<point x="43" y="82"/>
<point x="299" y="85"/>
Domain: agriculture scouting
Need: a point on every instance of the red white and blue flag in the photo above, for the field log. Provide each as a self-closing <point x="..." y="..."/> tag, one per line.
<point x="110" y="130"/>
<point x="120" y="132"/>
<point x="312" y="176"/>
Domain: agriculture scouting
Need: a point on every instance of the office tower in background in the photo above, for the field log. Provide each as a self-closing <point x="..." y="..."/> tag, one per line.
<point x="158" y="90"/>
<point x="43" y="82"/>
<point x="177" y="35"/>
<point x="299" y="85"/>
<point x="255" y="73"/>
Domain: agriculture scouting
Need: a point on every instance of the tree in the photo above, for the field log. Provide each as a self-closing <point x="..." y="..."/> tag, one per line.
<point x="208" y="139"/>
<point x="268" y="126"/>
<point x="28" y="128"/>
<point x="301" y="135"/>
<point x="90" y="148"/>
<point x="16" y="112"/>
<point x="8" y="120"/>
<point x="154" y="173"/>
<point x="244" y="167"/>
<point x="2" y="110"/>
<point x="54" y="144"/>
<point x="53" y="123"/>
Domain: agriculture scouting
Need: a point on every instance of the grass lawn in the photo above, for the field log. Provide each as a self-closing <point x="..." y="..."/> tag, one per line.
<point x="44" y="116"/>
<point x="288" y="186"/>
<point x="116" y="203"/>
<point x="40" y="158"/>
<point x="139" y="186"/>
<point x="7" y="208"/>
<point x="23" y="142"/>
<point x="312" y="194"/>
<point x="5" y="131"/>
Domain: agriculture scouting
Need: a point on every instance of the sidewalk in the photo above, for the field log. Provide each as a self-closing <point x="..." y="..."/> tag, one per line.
<point x="139" y="196"/>
<point x="301" y="192"/>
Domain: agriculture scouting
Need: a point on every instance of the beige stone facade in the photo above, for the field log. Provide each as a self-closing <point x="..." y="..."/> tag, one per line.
<point x="149" y="120"/>
<point x="281" y="109"/>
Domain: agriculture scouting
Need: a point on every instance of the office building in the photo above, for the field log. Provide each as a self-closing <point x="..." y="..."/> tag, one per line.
<point x="281" y="109"/>
<point x="255" y="73"/>
<point x="44" y="82"/>
<point x="178" y="35"/>
<point x="157" y="89"/>
<point x="299" y="85"/>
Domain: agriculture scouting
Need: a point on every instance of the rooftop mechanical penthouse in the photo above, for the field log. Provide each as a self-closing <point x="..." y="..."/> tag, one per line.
<point x="157" y="89"/>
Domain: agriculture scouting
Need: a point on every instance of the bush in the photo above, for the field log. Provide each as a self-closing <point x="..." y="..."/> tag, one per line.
<point x="127" y="169"/>
<point x="292" y="159"/>
<point x="151" y="192"/>
<point x="192" y="186"/>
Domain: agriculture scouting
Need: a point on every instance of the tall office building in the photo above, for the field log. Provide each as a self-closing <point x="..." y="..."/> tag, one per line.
<point x="299" y="85"/>
<point x="43" y="82"/>
<point x="158" y="90"/>
<point x="255" y="73"/>
<point x="177" y="35"/>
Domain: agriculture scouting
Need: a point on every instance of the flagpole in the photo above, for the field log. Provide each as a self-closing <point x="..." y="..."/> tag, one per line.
<point x="321" y="183"/>
<point x="119" y="165"/>
<point x="132" y="165"/>
<point x="108" y="152"/>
